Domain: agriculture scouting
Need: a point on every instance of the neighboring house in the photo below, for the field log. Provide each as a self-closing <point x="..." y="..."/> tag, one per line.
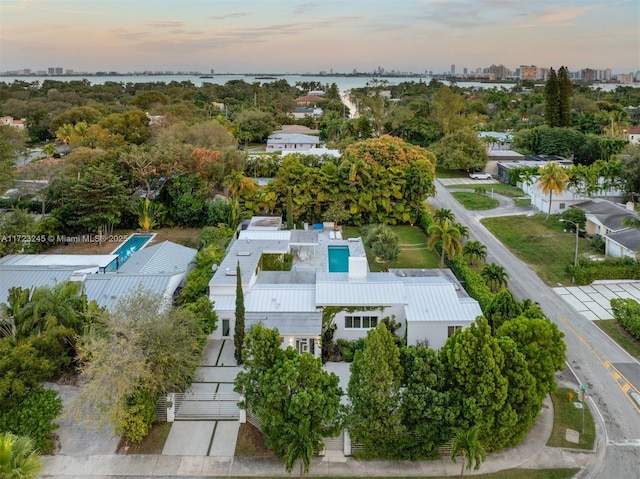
<point x="496" y="157"/>
<point x="15" y="123"/>
<point x="160" y="268"/>
<point x="633" y="134"/>
<point x="605" y="218"/>
<point x="306" y="112"/>
<point x="309" y="100"/>
<point x="427" y="305"/>
<point x="291" y="141"/>
<point x="321" y="151"/>
<point x="496" y="140"/>
<point x="301" y="129"/>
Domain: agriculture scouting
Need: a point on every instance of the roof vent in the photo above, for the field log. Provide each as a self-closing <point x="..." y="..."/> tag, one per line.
<point x="244" y="253"/>
<point x="231" y="272"/>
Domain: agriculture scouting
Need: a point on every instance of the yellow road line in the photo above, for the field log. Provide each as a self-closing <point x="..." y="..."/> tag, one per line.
<point x="611" y="369"/>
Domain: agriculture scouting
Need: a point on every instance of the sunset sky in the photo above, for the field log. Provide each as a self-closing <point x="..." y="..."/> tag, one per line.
<point x="308" y="36"/>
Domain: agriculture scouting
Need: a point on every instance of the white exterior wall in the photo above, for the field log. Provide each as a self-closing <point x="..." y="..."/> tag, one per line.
<point x="353" y="334"/>
<point x="289" y="146"/>
<point x="435" y="332"/>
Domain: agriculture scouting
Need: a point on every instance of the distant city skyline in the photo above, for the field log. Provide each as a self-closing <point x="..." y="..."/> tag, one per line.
<point x="306" y="36"/>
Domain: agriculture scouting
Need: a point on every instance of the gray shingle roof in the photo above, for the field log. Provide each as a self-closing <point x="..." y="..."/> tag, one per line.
<point x="629" y="238"/>
<point x="607" y="213"/>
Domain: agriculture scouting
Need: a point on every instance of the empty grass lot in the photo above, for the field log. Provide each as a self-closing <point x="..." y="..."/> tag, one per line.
<point x="567" y="416"/>
<point x="413" y="248"/>
<point x="540" y="243"/>
<point x="474" y="201"/>
<point x="509" y="191"/>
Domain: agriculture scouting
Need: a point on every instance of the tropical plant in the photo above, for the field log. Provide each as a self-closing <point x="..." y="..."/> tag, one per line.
<point x="148" y="213"/>
<point x="495" y="276"/>
<point x="466" y="444"/>
<point x="474" y="251"/>
<point x="238" y="333"/>
<point x="448" y="236"/>
<point x="18" y="458"/>
<point x="553" y="178"/>
<point x="444" y="214"/>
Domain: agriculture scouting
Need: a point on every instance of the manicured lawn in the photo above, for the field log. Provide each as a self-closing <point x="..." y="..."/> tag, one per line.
<point x="620" y="336"/>
<point x="445" y="173"/>
<point x="513" y="192"/>
<point x="567" y="416"/>
<point x="540" y="243"/>
<point x="474" y="201"/>
<point x="153" y="443"/>
<point x="413" y="248"/>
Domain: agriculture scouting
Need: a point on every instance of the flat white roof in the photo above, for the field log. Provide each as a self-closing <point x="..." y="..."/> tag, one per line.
<point x="281" y="298"/>
<point x="279" y="235"/>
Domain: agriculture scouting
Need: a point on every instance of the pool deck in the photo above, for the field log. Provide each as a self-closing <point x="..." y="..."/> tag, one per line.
<point x="317" y="259"/>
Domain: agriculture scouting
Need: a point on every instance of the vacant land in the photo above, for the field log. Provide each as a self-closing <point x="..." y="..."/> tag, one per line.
<point x="541" y="243"/>
<point x="567" y="416"/>
<point x="475" y="201"/>
<point x="413" y="248"/>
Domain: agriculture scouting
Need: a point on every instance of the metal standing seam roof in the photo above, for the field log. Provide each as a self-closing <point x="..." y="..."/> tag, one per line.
<point x="224" y="302"/>
<point x="438" y="302"/>
<point x="281" y="298"/>
<point x="62" y="260"/>
<point x="288" y="323"/>
<point x="165" y="257"/>
<point x="30" y="278"/>
<point x="107" y="289"/>
<point x="377" y="289"/>
<point x="255" y="235"/>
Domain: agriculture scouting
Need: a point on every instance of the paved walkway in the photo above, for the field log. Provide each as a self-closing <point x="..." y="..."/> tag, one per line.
<point x="216" y="374"/>
<point x="531" y="454"/>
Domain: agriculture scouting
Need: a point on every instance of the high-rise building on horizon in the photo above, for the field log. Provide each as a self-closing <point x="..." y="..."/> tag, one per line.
<point x="453" y="69"/>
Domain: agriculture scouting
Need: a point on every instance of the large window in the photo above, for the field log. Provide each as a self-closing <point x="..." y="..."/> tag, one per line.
<point x="360" y="322"/>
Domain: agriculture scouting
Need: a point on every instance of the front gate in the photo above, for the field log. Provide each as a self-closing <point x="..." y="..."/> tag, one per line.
<point x="206" y="406"/>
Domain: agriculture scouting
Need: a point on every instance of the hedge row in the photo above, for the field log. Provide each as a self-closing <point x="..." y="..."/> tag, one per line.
<point x="627" y="313"/>
<point x="588" y="271"/>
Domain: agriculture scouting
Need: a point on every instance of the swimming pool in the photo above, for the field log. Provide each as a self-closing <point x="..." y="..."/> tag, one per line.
<point x="134" y="243"/>
<point x="338" y="259"/>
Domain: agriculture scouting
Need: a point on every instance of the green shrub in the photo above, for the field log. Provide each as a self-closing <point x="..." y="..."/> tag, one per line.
<point x="139" y="416"/>
<point x="34" y="417"/>
<point x="627" y="313"/>
<point x="273" y="262"/>
<point x="348" y="348"/>
<point x="588" y="271"/>
<point x="472" y="281"/>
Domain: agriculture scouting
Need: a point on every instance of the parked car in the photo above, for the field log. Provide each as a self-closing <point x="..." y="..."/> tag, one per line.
<point x="479" y="175"/>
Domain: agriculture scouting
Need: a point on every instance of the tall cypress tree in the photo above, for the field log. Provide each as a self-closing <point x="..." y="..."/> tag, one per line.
<point x="551" y="90"/>
<point x="564" y="97"/>
<point x="238" y="333"/>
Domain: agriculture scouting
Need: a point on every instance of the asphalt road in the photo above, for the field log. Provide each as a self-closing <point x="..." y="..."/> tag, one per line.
<point x="612" y="376"/>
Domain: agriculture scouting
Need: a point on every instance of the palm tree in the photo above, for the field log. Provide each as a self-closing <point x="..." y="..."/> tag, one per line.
<point x="464" y="231"/>
<point x="448" y="236"/>
<point x="495" y="276"/>
<point x="474" y="251"/>
<point x="444" y="214"/>
<point x="64" y="133"/>
<point x="553" y="177"/>
<point x="18" y="458"/>
<point x="467" y="445"/>
<point x="300" y="448"/>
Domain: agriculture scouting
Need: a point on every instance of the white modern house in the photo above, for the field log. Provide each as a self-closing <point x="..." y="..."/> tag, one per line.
<point x="428" y="305"/>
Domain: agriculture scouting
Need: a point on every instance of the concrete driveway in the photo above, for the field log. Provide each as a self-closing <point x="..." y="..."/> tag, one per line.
<point x="592" y="301"/>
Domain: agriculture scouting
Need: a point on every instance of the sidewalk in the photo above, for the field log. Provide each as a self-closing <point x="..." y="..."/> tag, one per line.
<point x="530" y="454"/>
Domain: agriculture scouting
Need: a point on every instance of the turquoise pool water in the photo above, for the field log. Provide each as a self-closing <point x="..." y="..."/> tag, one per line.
<point x="134" y="243"/>
<point x="338" y="259"/>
